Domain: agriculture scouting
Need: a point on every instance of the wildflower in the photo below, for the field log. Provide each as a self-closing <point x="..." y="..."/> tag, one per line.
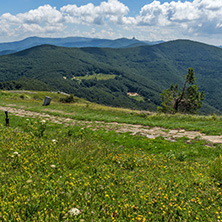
<point x="53" y="166"/>
<point x="74" y="211"/>
<point x="54" y="140"/>
<point x="16" y="153"/>
<point x="43" y="121"/>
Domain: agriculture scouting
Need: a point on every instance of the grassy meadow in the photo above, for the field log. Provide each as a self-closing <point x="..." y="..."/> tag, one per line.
<point x="52" y="172"/>
<point x="99" y="76"/>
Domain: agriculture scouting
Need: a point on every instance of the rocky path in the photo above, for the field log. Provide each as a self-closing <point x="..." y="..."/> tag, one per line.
<point x="118" y="127"/>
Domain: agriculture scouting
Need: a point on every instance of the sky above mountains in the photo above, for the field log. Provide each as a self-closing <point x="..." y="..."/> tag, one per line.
<point x="199" y="20"/>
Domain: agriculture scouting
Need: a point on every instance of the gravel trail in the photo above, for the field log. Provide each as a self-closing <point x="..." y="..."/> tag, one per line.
<point x="149" y="132"/>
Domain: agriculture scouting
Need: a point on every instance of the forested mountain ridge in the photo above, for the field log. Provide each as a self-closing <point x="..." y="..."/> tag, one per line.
<point x="106" y="75"/>
<point x="12" y="47"/>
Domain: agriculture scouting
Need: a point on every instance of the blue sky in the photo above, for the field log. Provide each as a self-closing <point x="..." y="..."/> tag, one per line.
<point x="152" y="20"/>
<point x="18" y="6"/>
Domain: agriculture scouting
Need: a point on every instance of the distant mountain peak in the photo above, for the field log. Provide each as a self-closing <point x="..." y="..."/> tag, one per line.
<point x="78" y="42"/>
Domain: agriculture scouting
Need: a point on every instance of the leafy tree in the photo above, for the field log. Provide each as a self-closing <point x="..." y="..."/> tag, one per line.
<point x="186" y="100"/>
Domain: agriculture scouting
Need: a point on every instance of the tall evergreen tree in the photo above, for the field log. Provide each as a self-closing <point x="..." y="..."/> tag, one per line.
<point x="186" y="100"/>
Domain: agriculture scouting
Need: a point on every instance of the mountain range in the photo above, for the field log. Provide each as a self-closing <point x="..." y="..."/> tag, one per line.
<point x="130" y="77"/>
<point x="12" y="47"/>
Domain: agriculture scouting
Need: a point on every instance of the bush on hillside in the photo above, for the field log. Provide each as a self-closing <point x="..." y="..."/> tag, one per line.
<point x="67" y="99"/>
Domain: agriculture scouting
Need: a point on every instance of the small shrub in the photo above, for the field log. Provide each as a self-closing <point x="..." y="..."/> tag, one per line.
<point x="67" y="99"/>
<point x="214" y="117"/>
<point x="181" y="156"/>
<point x="22" y="97"/>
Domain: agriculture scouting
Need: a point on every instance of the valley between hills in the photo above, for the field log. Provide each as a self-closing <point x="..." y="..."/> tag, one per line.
<point x="110" y="76"/>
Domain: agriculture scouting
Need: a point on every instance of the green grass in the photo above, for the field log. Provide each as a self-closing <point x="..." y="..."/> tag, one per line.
<point x="47" y="169"/>
<point x="99" y="76"/>
<point x="84" y="110"/>
<point x="138" y="98"/>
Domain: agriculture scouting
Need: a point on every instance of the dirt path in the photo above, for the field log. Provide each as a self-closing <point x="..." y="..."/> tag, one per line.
<point x="146" y="131"/>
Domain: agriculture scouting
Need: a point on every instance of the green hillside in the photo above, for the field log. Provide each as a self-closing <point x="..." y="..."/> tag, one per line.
<point x="146" y="70"/>
<point x="70" y="162"/>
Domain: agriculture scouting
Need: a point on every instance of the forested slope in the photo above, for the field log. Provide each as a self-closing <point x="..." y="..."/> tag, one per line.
<point x="146" y="70"/>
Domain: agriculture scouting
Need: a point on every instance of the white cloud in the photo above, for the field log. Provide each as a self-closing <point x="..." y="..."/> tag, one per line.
<point x="113" y="11"/>
<point x="48" y="19"/>
<point x="175" y="19"/>
<point x="44" y="13"/>
<point x="154" y="14"/>
<point x="40" y="21"/>
<point x="199" y="16"/>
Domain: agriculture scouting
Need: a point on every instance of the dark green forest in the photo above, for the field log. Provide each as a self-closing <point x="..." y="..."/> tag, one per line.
<point x="145" y="70"/>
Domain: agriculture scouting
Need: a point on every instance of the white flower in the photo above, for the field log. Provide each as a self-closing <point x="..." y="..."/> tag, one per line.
<point x="43" y="121"/>
<point x="54" y="140"/>
<point x="74" y="211"/>
<point x="16" y="153"/>
<point x="53" y="166"/>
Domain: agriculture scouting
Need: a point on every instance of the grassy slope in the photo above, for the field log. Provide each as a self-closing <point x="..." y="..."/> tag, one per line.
<point x="48" y="169"/>
<point x="84" y="110"/>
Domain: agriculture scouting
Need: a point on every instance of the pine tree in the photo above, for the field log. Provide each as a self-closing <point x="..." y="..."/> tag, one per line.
<point x="186" y="100"/>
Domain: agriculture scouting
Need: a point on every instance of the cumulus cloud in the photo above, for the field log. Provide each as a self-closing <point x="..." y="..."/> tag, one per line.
<point x="174" y="18"/>
<point x="44" y="13"/>
<point x="49" y="19"/>
<point x="113" y="10"/>
<point x="45" y="19"/>
<point x="200" y="16"/>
